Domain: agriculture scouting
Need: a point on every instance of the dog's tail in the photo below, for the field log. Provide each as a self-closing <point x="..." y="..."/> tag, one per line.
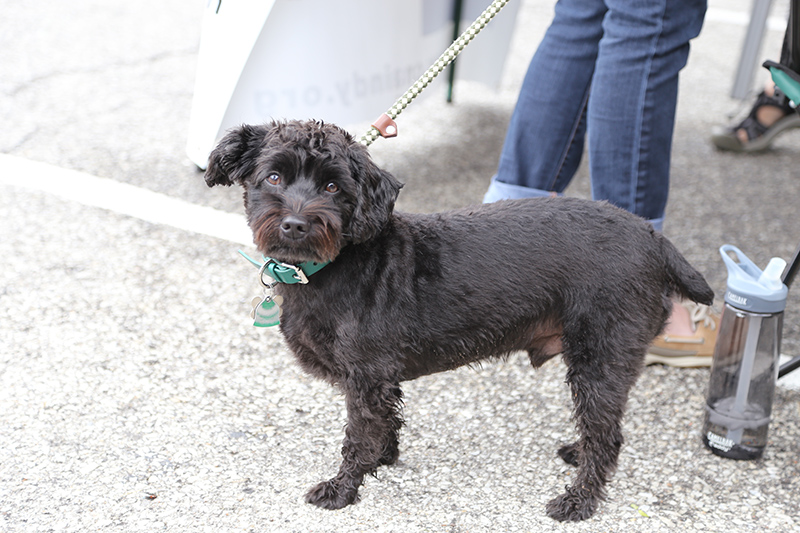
<point x="683" y="278"/>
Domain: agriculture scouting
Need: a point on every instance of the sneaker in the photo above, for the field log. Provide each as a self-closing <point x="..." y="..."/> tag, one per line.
<point x="694" y="351"/>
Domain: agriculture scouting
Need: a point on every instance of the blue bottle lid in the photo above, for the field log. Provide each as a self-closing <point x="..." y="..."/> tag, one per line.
<point x="750" y="288"/>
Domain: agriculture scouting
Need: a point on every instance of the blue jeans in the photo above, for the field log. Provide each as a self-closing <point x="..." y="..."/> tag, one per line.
<point x="629" y="53"/>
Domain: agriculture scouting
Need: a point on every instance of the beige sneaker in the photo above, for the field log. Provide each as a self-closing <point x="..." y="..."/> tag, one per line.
<point x="693" y="351"/>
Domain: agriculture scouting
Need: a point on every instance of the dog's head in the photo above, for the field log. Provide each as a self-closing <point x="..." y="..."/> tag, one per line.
<point x="309" y="188"/>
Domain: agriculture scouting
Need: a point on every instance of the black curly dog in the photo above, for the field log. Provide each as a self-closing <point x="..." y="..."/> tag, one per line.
<point x="407" y="295"/>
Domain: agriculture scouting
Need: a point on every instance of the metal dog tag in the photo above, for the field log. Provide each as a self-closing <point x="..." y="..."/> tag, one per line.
<point x="266" y="311"/>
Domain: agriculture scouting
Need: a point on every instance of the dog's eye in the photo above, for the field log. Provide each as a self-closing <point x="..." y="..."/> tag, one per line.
<point x="332" y="188"/>
<point x="274" y="179"/>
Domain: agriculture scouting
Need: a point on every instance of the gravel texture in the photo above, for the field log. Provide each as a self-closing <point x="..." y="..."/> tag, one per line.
<point x="136" y="396"/>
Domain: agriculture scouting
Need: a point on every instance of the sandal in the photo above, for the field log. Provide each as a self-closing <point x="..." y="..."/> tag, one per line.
<point x="759" y="136"/>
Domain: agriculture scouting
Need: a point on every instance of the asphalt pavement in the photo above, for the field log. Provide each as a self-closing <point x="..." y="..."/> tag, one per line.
<point x="135" y="395"/>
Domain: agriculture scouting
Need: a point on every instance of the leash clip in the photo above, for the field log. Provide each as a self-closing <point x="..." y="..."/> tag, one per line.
<point x="386" y="126"/>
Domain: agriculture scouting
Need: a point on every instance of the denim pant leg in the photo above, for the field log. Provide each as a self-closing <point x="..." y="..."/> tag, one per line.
<point x="544" y="140"/>
<point x="631" y="112"/>
<point x="630" y="52"/>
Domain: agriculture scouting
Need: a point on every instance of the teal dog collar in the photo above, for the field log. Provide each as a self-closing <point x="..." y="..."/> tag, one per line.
<point x="284" y="272"/>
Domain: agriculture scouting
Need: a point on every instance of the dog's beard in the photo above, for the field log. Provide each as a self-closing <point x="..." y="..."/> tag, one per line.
<point x="321" y="242"/>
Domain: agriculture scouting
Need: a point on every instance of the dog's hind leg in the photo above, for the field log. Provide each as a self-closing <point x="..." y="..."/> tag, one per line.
<point x="371" y="438"/>
<point x="599" y="382"/>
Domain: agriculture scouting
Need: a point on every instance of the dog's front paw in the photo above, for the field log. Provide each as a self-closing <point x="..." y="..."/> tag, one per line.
<point x="331" y="495"/>
<point x="572" y="506"/>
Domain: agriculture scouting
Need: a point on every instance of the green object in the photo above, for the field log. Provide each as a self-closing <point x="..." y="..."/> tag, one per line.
<point x="636" y="508"/>
<point x="253" y="261"/>
<point x="267" y="309"/>
<point x="267" y="313"/>
<point x="285" y="273"/>
<point x="789" y="86"/>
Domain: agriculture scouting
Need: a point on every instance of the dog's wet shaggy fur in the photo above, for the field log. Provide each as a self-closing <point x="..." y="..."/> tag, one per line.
<point x="409" y="295"/>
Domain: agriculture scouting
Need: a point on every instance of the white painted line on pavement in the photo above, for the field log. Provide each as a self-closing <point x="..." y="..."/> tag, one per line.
<point x="124" y="199"/>
<point x="148" y="205"/>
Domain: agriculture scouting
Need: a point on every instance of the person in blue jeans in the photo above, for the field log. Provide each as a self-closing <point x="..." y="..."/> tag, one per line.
<point x="606" y="73"/>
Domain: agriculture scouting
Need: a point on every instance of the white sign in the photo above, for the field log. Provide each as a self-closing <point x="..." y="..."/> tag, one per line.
<point x="343" y="61"/>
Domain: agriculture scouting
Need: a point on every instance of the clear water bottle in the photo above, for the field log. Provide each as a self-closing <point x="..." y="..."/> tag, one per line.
<point x="745" y="364"/>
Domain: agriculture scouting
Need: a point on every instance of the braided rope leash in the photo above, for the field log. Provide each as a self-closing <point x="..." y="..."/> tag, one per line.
<point x="385" y="125"/>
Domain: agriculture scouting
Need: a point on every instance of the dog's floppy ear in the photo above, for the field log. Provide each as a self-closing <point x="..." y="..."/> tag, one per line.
<point x="235" y="155"/>
<point x="379" y="190"/>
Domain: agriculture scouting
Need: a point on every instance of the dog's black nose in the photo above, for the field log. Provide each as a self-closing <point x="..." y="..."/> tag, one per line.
<point x="294" y="227"/>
